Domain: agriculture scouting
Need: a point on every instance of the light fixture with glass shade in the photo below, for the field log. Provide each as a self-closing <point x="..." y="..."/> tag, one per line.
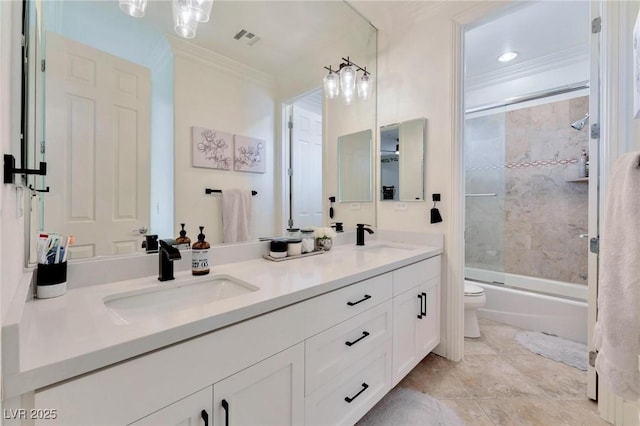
<point x="365" y="86"/>
<point x="346" y="81"/>
<point x="186" y="13"/>
<point x="201" y="9"/>
<point x="331" y="83"/>
<point x="184" y="21"/>
<point x="133" y="8"/>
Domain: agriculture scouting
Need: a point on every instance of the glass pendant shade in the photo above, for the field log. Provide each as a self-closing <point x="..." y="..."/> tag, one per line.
<point x="201" y="9"/>
<point x="184" y="20"/>
<point x="365" y="86"/>
<point x="331" y="84"/>
<point x="347" y="82"/>
<point x="133" y="8"/>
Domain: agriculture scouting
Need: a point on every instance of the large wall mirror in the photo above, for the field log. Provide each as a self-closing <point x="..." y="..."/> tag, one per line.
<point x="402" y="160"/>
<point x="120" y="98"/>
<point x="355" y="153"/>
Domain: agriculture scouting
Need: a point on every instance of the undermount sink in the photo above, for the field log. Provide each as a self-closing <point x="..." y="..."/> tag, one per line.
<point x="130" y="307"/>
<point x="384" y="247"/>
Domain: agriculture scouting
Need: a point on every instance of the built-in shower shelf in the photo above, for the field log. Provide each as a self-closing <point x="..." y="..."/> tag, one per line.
<point x="586" y="179"/>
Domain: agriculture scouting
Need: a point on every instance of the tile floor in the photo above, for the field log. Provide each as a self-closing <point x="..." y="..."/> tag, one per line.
<point x="501" y="383"/>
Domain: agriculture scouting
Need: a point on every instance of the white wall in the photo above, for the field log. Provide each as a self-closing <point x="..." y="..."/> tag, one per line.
<point x="217" y="93"/>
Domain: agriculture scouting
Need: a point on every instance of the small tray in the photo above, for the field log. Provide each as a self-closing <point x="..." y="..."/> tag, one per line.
<point x="282" y="259"/>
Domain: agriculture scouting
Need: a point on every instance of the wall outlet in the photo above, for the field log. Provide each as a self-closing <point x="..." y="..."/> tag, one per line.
<point x="400" y="206"/>
<point x="354" y="206"/>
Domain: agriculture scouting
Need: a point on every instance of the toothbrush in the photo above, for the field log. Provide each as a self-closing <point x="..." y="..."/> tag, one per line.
<point x="70" y="241"/>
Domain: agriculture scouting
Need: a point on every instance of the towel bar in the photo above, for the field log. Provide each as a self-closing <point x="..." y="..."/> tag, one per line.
<point x="219" y="191"/>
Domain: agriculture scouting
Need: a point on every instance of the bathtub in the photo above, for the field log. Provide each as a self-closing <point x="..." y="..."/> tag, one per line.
<point x="533" y="304"/>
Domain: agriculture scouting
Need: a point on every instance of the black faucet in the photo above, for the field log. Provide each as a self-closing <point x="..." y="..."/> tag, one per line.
<point x="168" y="253"/>
<point x="360" y="233"/>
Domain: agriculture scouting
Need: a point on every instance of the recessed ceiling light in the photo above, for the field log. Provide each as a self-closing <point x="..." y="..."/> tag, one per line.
<point x="507" y="56"/>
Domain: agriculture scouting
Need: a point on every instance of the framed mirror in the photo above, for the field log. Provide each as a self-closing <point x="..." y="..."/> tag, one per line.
<point x="355" y="167"/>
<point x="402" y="160"/>
<point x="230" y="79"/>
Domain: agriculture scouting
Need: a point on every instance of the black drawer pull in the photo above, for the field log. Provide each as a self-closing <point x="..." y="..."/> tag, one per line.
<point x="420" y="314"/>
<point x="366" y="297"/>
<point x="424" y="298"/>
<point x="364" y="388"/>
<point x="205" y="417"/>
<point x="364" y="334"/>
<point x="225" y="405"/>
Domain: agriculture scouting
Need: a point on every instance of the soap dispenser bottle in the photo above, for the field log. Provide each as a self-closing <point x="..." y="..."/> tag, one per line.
<point x="582" y="170"/>
<point x="200" y="255"/>
<point x="184" y="242"/>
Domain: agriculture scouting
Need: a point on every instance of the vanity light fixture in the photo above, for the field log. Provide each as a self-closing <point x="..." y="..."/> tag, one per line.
<point x="201" y="9"/>
<point x="133" y="8"/>
<point x="345" y="80"/>
<point x="507" y="56"/>
<point x="184" y="19"/>
<point x="186" y="13"/>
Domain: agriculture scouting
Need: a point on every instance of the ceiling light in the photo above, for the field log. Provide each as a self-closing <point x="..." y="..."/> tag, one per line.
<point x="507" y="56"/>
<point x="133" y="8"/>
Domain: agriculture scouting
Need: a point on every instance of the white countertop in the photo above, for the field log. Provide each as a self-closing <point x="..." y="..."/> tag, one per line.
<point x="73" y="334"/>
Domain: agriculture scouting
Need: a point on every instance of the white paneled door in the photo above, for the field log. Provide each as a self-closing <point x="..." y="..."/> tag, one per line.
<point x="97" y="129"/>
<point x="306" y="166"/>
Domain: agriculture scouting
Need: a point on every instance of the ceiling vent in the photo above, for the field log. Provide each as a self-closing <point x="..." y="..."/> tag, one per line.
<point x="246" y="37"/>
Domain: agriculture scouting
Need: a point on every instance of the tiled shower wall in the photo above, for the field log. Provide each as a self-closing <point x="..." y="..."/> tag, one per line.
<point x="529" y="158"/>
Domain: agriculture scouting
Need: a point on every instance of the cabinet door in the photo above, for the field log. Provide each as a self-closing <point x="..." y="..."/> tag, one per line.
<point x="270" y="392"/>
<point x="406" y="308"/>
<point x="194" y="410"/>
<point x="428" y="327"/>
<point x="416" y="326"/>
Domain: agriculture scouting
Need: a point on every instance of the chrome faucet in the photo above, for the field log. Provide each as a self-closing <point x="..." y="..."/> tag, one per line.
<point x="168" y="253"/>
<point x="360" y="233"/>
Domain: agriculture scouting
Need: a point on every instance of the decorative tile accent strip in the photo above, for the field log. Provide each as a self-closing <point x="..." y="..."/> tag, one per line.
<point x="535" y="163"/>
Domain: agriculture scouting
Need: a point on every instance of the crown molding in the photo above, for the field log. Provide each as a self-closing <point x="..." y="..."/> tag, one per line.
<point x="563" y="58"/>
<point x="186" y="49"/>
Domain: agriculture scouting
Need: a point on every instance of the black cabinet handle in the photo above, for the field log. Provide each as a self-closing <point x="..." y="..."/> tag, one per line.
<point x="364" y="334"/>
<point x="424" y="299"/>
<point x="225" y="405"/>
<point x="366" y="297"/>
<point x="205" y="417"/>
<point x="420" y="314"/>
<point x="364" y="388"/>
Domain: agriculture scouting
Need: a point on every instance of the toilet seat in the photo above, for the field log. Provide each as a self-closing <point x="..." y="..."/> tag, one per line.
<point x="473" y="290"/>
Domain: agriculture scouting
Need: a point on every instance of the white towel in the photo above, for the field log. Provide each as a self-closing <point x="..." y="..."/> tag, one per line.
<point x="617" y="331"/>
<point x="236" y="215"/>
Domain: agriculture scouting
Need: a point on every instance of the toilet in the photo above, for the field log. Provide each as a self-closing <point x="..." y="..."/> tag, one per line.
<point x="474" y="298"/>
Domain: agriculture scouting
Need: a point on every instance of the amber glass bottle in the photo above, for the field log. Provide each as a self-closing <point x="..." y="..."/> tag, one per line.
<point x="184" y="242"/>
<point x="200" y="255"/>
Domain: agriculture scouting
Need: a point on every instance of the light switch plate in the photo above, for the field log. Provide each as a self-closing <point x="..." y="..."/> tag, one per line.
<point x="400" y="206"/>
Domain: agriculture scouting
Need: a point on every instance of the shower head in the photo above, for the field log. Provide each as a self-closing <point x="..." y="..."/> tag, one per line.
<point x="578" y="125"/>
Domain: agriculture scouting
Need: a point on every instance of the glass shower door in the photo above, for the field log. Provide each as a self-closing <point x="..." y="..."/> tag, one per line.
<point x="484" y="148"/>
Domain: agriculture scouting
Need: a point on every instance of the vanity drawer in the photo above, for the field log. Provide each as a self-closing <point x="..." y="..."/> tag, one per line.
<point x="414" y="274"/>
<point x="332" y="308"/>
<point x="364" y="384"/>
<point x="333" y="351"/>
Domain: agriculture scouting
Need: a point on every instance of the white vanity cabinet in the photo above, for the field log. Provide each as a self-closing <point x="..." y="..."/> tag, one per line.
<point x="416" y="314"/>
<point x="270" y="392"/>
<point x="165" y="381"/>
<point x="267" y="393"/>
<point x="193" y="410"/>
<point x="325" y="360"/>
